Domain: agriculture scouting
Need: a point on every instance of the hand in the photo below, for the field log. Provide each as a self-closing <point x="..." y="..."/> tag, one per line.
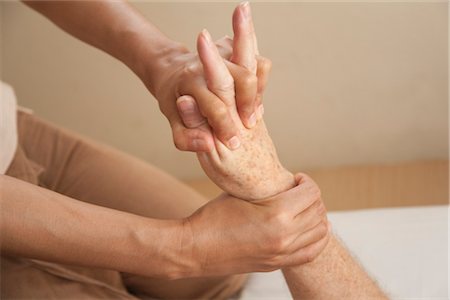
<point x="253" y="171"/>
<point x="229" y="236"/>
<point x="183" y="75"/>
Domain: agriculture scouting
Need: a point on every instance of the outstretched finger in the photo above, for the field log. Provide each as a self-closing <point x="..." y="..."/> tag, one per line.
<point x="244" y="55"/>
<point x="263" y="71"/>
<point x="218" y="78"/>
<point x="244" y="52"/>
<point x="246" y="84"/>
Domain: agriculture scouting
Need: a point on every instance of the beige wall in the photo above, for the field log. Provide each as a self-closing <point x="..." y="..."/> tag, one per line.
<point x="352" y="83"/>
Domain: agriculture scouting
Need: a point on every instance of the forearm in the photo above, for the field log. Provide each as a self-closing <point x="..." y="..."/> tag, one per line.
<point x="41" y="224"/>
<point x="334" y="274"/>
<point x="116" y="28"/>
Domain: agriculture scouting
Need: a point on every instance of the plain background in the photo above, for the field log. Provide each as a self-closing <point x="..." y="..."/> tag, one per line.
<point x="352" y="83"/>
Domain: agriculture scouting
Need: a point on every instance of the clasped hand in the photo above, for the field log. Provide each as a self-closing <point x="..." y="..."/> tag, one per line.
<point x="230" y="236"/>
<point x="283" y="222"/>
<point x="184" y="74"/>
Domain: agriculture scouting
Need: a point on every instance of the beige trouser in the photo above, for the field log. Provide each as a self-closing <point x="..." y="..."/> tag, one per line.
<point x="76" y="167"/>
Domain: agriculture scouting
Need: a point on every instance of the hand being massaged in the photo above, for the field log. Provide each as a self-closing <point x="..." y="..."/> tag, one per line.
<point x="284" y="222"/>
<point x="184" y="75"/>
<point x="253" y="171"/>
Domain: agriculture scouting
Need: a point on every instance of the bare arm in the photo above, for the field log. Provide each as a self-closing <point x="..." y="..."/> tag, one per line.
<point x="162" y="64"/>
<point x="41" y="224"/>
<point x="116" y="28"/>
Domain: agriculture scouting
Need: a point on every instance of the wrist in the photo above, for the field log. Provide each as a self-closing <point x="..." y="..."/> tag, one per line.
<point x="281" y="181"/>
<point x="285" y="181"/>
<point x="145" y="50"/>
<point x="154" y="66"/>
<point x="152" y="58"/>
<point x="163" y="248"/>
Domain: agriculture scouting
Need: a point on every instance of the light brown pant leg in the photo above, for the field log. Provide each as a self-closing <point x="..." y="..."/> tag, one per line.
<point x="22" y="278"/>
<point x="88" y="171"/>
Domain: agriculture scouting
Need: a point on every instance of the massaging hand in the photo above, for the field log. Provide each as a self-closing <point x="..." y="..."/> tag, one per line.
<point x="229" y="236"/>
<point x="253" y="171"/>
<point x="184" y="76"/>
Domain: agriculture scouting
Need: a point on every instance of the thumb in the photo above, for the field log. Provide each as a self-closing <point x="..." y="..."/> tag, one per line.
<point x="189" y="112"/>
<point x="195" y="135"/>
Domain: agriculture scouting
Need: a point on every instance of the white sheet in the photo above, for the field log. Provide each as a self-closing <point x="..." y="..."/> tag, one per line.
<point x="404" y="249"/>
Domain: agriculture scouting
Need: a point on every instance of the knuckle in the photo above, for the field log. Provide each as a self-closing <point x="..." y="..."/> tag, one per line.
<point x="249" y="80"/>
<point x="227" y="86"/>
<point x="179" y="141"/>
<point x="309" y="255"/>
<point x="179" y="145"/>
<point x="189" y="70"/>
<point x="218" y="114"/>
<point x="281" y="219"/>
<point x="274" y="262"/>
<point x="265" y="64"/>
<point x="278" y="243"/>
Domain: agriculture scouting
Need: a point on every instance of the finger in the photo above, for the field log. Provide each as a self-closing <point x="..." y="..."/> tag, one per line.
<point x="189" y="112"/>
<point x="299" y="198"/>
<point x="195" y="140"/>
<point x="216" y="112"/>
<point x="252" y="29"/>
<point x="225" y="47"/>
<point x="313" y="215"/>
<point x="243" y="41"/>
<point x="308" y="253"/>
<point x="244" y="54"/>
<point x="218" y="78"/>
<point x="309" y="237"/>
<point x="263" y="71"/>
<point x="245" y="84"/>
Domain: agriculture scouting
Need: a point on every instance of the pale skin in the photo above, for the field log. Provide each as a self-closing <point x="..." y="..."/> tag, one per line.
<point x="334" y="274"/>
<point x="29" y="213"/>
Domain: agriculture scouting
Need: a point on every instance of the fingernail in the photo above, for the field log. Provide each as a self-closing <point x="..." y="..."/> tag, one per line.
<point x="186" y="106"/>
<point x="252" y="120"/>
<point x="234" y="143"/>
<point x="246" y="9"/>
<point x="207" y="36"/>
